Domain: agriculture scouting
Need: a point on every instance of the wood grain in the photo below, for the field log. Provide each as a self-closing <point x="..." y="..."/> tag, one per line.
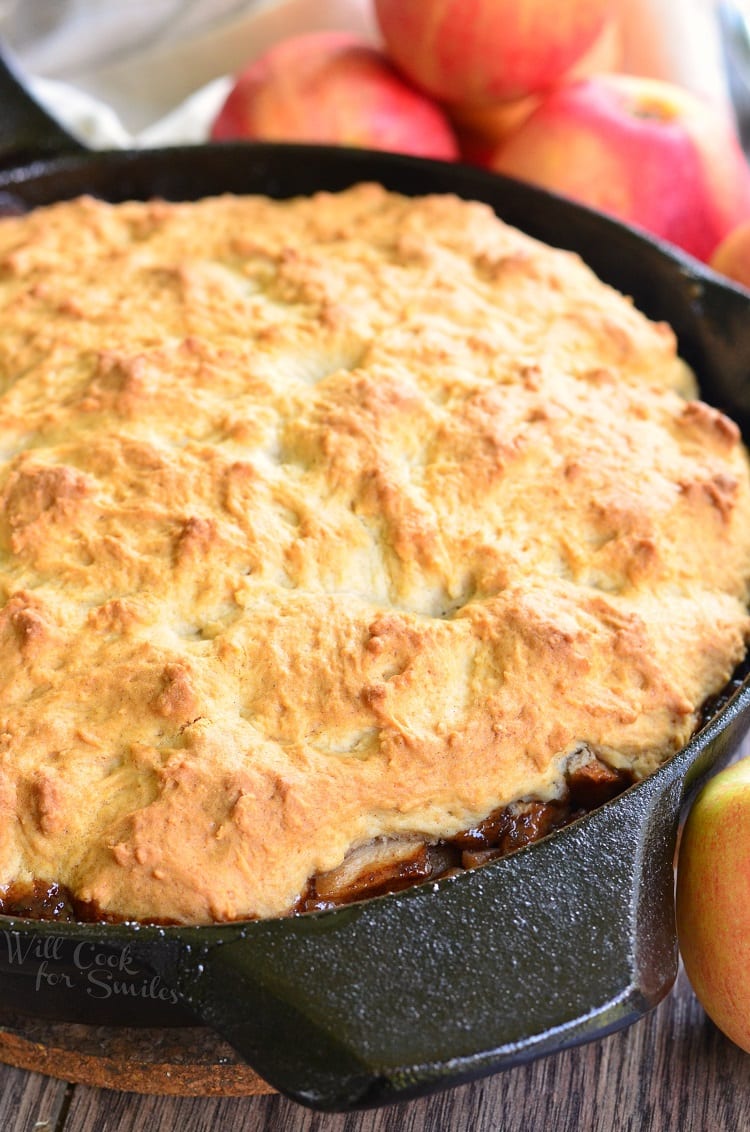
<point x="30" y="1102"/>
<point x="671" y="1072"/>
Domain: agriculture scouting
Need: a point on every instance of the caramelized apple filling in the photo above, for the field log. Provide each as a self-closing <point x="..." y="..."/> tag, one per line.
<point x="386" y="865"/>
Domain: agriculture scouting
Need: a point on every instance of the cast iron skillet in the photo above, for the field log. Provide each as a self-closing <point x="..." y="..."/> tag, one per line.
<point x="562" y="942"/>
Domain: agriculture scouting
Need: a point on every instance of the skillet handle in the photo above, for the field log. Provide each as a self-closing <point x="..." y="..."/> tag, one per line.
<point x="563" y="942"/>
<point x="27" y="131"/>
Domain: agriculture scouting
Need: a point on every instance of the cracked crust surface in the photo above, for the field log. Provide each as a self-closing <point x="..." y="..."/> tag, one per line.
<point x="333" y="519"/>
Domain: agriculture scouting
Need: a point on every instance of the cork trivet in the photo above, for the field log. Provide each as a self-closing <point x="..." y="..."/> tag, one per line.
<point x="181" y="1061"/>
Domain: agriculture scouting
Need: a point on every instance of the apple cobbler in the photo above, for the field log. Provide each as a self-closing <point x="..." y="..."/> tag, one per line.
<point x="344" y="541"/>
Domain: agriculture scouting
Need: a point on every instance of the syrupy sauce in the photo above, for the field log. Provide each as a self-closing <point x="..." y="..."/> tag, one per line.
<point x="52" y="902"/>
<point x="41" y="900"/>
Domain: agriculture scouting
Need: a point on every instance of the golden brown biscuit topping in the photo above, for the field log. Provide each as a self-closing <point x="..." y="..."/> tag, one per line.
<point x="328" y="520"/>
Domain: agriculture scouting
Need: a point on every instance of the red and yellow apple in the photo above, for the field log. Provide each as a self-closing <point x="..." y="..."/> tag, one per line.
<point x="481" y="127"/>
<point x="480" y="130"/>
<point x="643" y="150"/>
<point x="713" y="900"/>
<point x="475" y="51"/>
<point x="732" y="257"/>
<point x="333" y="87"/>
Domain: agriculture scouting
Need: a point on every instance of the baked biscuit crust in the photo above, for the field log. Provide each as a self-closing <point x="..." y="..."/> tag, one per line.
<point x="333" y="519"/>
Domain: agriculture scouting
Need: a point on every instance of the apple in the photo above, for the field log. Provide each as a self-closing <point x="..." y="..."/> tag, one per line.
<point x="732" y="257"/>
<point x="643" y="150"/>
<point x="333" y="87"/>
<point x="475" y="51"/>
<point x="713" y="900"/>
<point x="481" y="127"/>
<point x="480" y="130"/>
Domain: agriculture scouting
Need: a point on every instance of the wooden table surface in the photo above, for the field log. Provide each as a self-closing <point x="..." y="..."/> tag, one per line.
<point x="670" y="1072"/>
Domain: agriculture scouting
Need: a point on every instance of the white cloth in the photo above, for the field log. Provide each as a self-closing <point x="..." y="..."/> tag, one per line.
<point x="144" y="72"/>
